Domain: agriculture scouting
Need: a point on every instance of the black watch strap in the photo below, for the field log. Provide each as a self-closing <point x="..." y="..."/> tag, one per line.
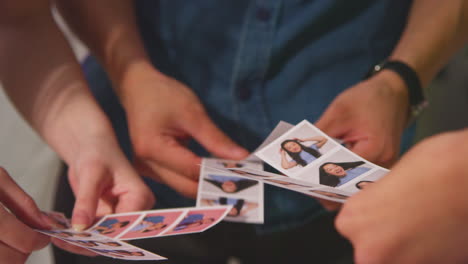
<point x="410" y="77"/>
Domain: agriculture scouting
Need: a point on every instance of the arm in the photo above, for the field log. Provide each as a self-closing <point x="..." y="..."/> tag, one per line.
<point x="372" y="127"/>
<point x="320" y="141"/>
<point x="418" y="212"/>
<point x="161" y="111"/>
<point x="285" y="163"/>
<point x="44" y="81"/>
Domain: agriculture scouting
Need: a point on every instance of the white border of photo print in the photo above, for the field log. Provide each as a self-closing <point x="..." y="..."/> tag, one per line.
<point x="212" y="169"/>
<point x="272" y="153"/>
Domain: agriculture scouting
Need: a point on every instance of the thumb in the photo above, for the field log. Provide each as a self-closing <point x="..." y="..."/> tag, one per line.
<point x="214" y="140"/>
<point x="90" y="186"/>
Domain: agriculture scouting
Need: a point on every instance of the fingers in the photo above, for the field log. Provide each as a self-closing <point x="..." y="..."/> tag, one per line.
<point x="166" y="151"/>
<point x="89" y="190"/>
<point x="19" y="202"/>
<point x="11" y="256"/>
<point x="19" y="236"/>
<point x="329" y="205"/>
<point x="181" y="184"/>
<point x="133" y="193"/>
<point x="213" y="139"/>
<point x="73" y="249"/>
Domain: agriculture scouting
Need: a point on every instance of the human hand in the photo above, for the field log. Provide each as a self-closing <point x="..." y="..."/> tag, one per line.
<point x="418" y="212"/>
<point x="104" y="182"/>
<point x="18" y="239"/>
<point x="163" y="114"/>
<point x="370" y="117"/>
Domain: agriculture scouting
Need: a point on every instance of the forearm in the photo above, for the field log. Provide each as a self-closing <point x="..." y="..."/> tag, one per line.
<point x="44" y="81"/>
<point x="434" y="31"/>
<point x="109" y="30"/>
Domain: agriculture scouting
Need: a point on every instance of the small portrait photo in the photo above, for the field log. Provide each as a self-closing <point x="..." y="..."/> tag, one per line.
<point x="84" y="243"/>
<point x="128" y="253"/>
<point x="366" y="181"/>
<point x="229" y="184"/>
<point x="113" y="225"/>
<point x="298" y="148"/>
<point x="197" y="220"/>
<point x="68" y="234"/>
<point x="243" y="209"/>
<point x="231" y="164"/>
<point x="152" y="225"/>
<point x="338" y="169"/>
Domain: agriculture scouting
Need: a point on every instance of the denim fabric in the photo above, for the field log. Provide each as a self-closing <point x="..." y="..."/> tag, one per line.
<point x="256" y="62"/>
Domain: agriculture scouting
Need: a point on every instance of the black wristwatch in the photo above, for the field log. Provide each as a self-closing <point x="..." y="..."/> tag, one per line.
<point x="417" y="100"/>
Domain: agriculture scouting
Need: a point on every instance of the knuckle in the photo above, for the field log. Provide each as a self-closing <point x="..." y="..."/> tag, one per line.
<point x="27" y="202"/>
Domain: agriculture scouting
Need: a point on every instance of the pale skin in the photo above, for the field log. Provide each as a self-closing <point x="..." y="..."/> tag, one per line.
<point x="146" y="94"/>
<point x="371" y="128"/>
<point x="296" y="148"/>
<point x="163" y="113"/>
<point x="335" y="170"/>
<point x="55" y="100"/>
<point x="417" y="213"/>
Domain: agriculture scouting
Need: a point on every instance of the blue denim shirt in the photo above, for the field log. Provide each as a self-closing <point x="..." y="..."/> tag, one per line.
<point x="256" y="62"/>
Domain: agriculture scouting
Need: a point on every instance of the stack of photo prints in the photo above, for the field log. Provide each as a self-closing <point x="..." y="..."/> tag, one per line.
<point x="303" y="158"/>
<point x="306" y="161"/>
<point x="105" y="237"/>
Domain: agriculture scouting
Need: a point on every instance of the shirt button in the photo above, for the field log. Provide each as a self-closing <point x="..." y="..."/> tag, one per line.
<point x="263" y="14"/>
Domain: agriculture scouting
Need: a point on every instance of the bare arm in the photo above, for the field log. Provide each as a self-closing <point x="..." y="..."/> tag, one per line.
<point x="161" y="111"/>
<point x="44" y="81"/>
<point x="285" y="163"/>
<point x="373" y="128"/>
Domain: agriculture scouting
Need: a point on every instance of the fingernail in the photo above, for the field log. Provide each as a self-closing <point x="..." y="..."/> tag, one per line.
<point x="79" y="227"/>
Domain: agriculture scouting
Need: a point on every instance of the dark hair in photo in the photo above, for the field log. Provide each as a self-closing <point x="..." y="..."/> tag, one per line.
<point x="148" y="230"/>
<point x="332" y="180"/>
<point x="240" y="184"/>
<point x="358" y="185"/>
<point x="295" y="156"/>
<point x="237" y="165"/>
<point x="238" y="205"/>
<point x="125" y="223"/>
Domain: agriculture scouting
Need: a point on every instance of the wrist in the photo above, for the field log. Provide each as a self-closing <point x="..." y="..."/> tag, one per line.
<point x="127" y="87"/>
<point x="79" y="126"/>
<point x="406" y="81"/>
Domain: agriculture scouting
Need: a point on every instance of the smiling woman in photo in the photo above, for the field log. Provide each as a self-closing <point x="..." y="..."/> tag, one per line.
<point x="338" y="173"/>
<point x="299" y="153"/>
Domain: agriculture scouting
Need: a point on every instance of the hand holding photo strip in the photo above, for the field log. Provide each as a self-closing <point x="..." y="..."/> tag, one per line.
<point x="309" y="159"/>
<point x="105" y="237"/>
